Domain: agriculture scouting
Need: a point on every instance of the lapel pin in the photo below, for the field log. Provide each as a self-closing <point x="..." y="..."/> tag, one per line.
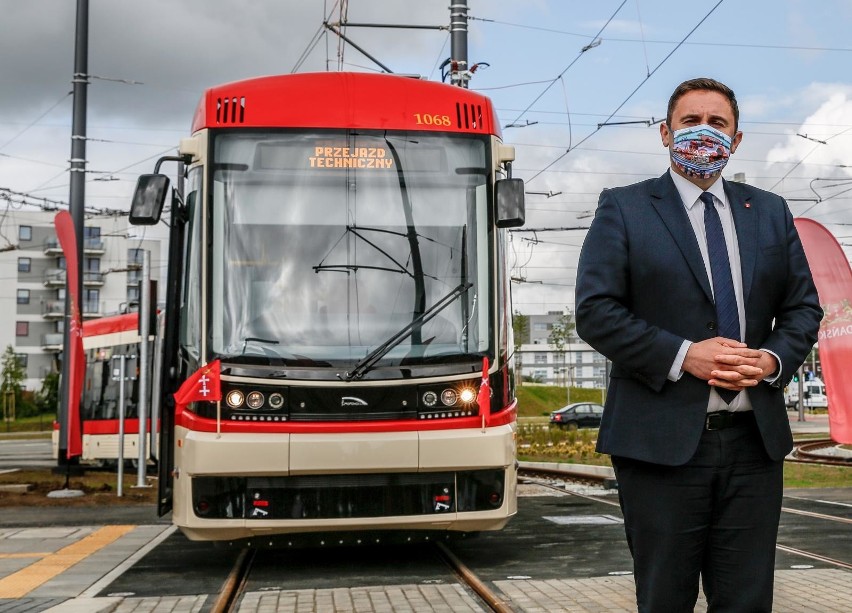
<point x="748" y="205"/>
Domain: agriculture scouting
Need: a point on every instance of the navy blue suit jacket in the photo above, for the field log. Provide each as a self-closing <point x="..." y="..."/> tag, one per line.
<point x="642" y="289"/>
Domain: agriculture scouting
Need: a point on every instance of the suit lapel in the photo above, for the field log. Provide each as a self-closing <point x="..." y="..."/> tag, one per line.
<point x="666" y="200"/>
<point x="745" y="222"/>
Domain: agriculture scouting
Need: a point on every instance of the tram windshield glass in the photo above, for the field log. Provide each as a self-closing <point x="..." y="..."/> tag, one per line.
<point x="330" y="244"/>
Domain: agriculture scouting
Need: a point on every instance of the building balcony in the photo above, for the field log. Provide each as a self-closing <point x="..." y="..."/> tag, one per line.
<point x="93" y="278"/>
<point x="52" y="341"/>
<point x="54" y="277"/>
<point x="91" y="309"/>
<point x="52" y="247"/>
<point x="93" y="246"/>
<point x="54" y="309"/>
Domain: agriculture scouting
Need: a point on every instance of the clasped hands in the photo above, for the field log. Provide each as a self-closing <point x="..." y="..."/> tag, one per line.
<point x="728" y="364"/>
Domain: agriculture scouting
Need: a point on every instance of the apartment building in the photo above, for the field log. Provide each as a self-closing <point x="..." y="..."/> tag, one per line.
<point x="33" y="272"/>
<point x="576" y="365"/>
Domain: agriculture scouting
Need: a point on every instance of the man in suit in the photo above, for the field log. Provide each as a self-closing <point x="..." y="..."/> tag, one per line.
<point x="699" y="293"/>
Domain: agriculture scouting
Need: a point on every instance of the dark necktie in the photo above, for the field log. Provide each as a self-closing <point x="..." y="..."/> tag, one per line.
<point x="728" y="319"/>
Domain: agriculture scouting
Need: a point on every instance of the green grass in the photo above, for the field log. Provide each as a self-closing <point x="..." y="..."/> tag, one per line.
<point x="541" y="442"/>
<point x="540" y="400"/>
<point x="810" y="475"/>
<point x="39" y="423"/>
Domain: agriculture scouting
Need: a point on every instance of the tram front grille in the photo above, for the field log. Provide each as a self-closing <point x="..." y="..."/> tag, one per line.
<point x="311" y="497"/>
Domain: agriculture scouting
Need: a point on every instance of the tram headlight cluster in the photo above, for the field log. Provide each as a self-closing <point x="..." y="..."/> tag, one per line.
<point x="254" y="400"/>
<point x="244" y="404"/>
<point x="235" y="399"/>
<point x="458" y="400"/>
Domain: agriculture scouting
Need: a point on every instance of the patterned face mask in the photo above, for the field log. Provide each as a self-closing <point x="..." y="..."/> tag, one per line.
<point x="700" y="151"/>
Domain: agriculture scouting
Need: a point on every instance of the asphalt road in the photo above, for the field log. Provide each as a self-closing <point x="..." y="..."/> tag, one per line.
<point x="25" y="453"/>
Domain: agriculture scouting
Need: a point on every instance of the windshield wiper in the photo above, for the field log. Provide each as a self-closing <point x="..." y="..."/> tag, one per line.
<point x="255" y="339"/>
<point x="379" y="352"/>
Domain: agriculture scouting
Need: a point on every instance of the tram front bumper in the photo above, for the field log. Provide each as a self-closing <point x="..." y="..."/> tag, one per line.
<point x="240" y="485"/>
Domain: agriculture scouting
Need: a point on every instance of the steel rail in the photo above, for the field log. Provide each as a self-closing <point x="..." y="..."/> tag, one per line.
<point x="235" y="583"/>
<point x="570" y="493"/>
<point x="492" y="600"/>
<point x="805" y="452"/>
<point x="842" y="520"/>
<point x="785" y="548"/>
<point x="573" y="475"/>
<point x="814" y="556"/>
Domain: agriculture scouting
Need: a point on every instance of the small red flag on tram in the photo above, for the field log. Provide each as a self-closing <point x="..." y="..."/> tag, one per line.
<point x="202" y="385"/>
<point x="483" y="398"/>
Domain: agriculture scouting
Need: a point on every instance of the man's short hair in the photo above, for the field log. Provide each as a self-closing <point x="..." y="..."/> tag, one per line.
<point x="705" y="84"/>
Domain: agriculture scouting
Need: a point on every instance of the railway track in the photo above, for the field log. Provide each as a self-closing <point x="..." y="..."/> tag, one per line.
<point x="569" y="476"/>
<point x="498" y="572"/>
<point x="814" y="452"/>
<point x="234" y="586"/>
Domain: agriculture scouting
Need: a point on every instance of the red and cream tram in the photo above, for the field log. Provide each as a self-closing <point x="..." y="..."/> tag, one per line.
<point x="103" y="339"/>
<point x="339" y="247"/>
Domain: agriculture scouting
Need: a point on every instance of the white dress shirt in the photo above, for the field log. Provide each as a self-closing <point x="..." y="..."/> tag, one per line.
<point x="689" y="193"/>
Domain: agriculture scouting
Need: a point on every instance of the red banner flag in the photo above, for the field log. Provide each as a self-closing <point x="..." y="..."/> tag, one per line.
<point x="202" y="385"/>
<point x="833" y="279"/>
<point x="75" y="355"/>
<point x="483" y="398"/>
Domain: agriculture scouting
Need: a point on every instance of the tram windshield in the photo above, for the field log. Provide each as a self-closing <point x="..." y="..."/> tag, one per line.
<point x="327" y="245"/>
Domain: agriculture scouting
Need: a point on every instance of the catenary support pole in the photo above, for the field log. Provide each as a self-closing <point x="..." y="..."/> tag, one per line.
<point x="459" y="74"/>
<point x="144" y="366"/>
<point x="77" y="205"/>
<point x="801" y="394"/>
<point x="122" y="381"/>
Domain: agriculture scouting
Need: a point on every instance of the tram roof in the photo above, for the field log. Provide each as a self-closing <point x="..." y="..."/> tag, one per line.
<point x="345" y="100"/>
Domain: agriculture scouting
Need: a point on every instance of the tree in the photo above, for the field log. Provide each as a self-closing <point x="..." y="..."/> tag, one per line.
<point x="13" y="376"/>
<point x="47" y="398"/>
<point x="560" y="338"/>
<point x="521" y="332"/>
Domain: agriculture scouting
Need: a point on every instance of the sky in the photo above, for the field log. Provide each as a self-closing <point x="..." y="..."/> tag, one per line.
<point x="555" y="69"/>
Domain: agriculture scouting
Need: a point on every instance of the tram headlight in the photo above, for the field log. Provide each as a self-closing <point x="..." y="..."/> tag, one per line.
<point x="430" y="399"/>
<point x="235" y="399"/>
<point x="276" y="400"/>
<point x="467" y="395"/>
<point x="449" y="397"/>
<point x="254" y="400"/>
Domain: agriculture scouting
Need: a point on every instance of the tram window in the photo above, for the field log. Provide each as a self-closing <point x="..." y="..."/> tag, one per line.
<point x="190" y="313"/>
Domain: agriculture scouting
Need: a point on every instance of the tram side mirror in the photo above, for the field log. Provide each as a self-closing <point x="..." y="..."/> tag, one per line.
<point x="509" y="199"/>
<point x="148" y="200"/>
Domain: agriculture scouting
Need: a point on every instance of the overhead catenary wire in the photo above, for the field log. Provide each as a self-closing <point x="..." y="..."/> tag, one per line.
<point x="36" y="120"/>
<point x="596" y="37"/>
<point x="642" y="34"/>
<point x="314" y="39"/>
<point x="807" y="155"/>
<point x="636" y="89"/>
<point x="665" y="42"/>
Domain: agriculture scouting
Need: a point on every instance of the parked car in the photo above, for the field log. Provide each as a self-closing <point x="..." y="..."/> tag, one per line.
<point x="578" y="415"/>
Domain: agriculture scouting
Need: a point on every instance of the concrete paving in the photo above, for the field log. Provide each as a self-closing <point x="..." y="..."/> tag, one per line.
<point x="557" y="555"/>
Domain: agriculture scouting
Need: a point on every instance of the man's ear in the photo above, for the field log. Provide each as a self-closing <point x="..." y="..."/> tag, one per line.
<point x="665" y="134"/>
<point x="735" y="142"/>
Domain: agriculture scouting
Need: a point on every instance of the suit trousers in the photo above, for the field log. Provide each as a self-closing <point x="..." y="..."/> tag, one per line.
<point x="715" y="517"/>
